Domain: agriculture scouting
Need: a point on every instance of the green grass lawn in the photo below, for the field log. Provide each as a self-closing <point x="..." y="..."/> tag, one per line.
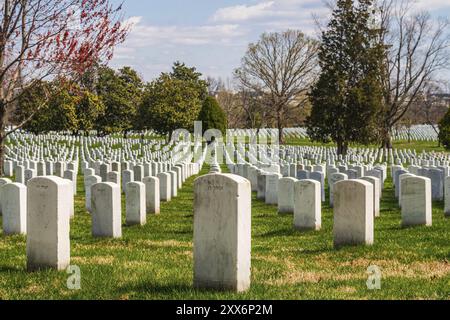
<point x="155" y="261"/>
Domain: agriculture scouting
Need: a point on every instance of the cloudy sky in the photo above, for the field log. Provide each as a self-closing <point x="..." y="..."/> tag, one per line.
<point x="214" y="34"/>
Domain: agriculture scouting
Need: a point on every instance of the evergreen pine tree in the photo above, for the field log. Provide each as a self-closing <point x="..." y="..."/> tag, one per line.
<point x="212" y="116"/>
<point x="347" y="96"/>
<point x="444" y="131"/>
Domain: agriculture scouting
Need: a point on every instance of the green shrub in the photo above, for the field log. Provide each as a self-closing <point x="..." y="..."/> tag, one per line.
<point x="444" y="130"/>
<point x="212" y="116"/>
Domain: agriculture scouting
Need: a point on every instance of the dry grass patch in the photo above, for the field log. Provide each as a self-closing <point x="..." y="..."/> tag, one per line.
<point x="99" y="260"/>
<point x="347" y="289"/>
<point x="395" y="268"/>
<point x="164" y="244"/>
<point x="267" y="258"/>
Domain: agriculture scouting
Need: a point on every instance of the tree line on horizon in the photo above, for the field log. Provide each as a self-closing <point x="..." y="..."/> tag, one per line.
<point x="374" y="68"/>
<point x="112" y="101"/>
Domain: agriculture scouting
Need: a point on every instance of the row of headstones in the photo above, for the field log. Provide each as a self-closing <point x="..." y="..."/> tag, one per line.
<point x="437" y="175"/>
<point x="225" y="200"/>
<point x="13" y="204"/>
<point x="25" y="148"/>
<point x="265" y="180"/>
<point x="320" y="154"/>
<point x="147" y="191"/>
<point x="50" y="150"/>
<point x="271" y="157"/>
<point x="49" y="146"/>
<point x="126" y="153"/>
<point x="43" y="165"/>
<point x="274" y="189"/>
<point x="415" y="132"/>
<point x="27" y="169"/>
<point x="169" y="187"/>
<point x="438" y="178"/>
<point x="42" y="210"/>
<point x="220" y="200"/>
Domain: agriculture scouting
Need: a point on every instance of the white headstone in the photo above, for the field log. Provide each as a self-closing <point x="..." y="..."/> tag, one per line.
<point x="286" y="195"/>
<point x="14" y="208"/>
<point x="127" y="176"/>
<point x="272" y="188"/>
<point x="447" y="197"/>
<point x="71" y="175"/>
<point x="165" y="190"/>
<point x="307" y="205"/>
<point x="135" y="204"/>
<point x="222" y="232"/>
<point x="152" y="197"/>
<point x="3" y="181"/>
<point x="19" y="172"/>
<point x="48" y="219"/>
<point x="106" y="210"/>
<point x="334" y="178"/>
<point x="89" y="181"/>
<point x="376" y="194"/>
<point x="416" y="201"/>
<point x="353" y="213"/>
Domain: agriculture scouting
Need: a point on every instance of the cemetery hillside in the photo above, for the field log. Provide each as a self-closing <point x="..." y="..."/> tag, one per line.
<point x="316" y="168"/>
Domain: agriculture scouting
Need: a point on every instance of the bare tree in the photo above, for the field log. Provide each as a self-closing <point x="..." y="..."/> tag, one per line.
<point x="416" y="47"/>
<point x="433" y="106"/>
<point x="281" y="67"/>
<point x="215" y="85"/>
<point x="229" y="101"/>
<point x="42" y="39"/>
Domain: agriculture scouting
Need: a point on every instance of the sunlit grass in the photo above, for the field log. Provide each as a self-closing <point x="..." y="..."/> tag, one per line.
<point x="155" y="261"/>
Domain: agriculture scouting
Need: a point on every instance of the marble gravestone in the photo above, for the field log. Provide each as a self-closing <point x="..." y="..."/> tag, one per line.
<point x="106" y="210"/>
<point x="48" y="219"/>
<point x="222" y="232"/>
<point x="307" y="205"/>
<point x="353" y="213"/>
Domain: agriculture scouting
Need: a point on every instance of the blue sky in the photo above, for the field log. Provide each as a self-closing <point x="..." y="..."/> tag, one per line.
<point x="213" y="34"/>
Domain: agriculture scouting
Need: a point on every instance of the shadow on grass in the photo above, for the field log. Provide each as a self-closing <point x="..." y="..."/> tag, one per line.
<point x="314" y="251"/>
<point x="286" y="214"/>
<point x="285" y="232"/>
<point x="264" y="215"/>
<point x="9" y="270"/>
<point x="187" y="231"/>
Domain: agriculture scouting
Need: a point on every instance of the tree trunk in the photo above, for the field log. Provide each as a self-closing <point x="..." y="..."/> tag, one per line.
<point x="386" y="139"/>
<point x="2" y="135"/>
<point x="342" y="147"/>
<point x="280" y="129"/>
<point x="2" y="152"/>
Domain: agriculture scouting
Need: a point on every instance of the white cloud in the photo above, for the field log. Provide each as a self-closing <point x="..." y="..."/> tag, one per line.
<point x="151" y="49"/>
<point x="243" y="12"/>
<point x="432" y="5"/>
<point x="273" y="12"/>
<point x="142" y="35"/>
<point x="216" y="45"/>
<point x="132" y="21"/>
